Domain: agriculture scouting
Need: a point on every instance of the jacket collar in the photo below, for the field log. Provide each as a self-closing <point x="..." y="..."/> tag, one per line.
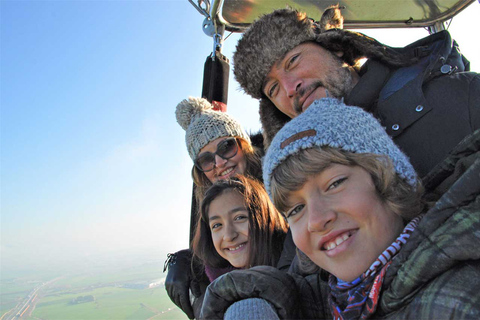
<point x="373" y="76"/>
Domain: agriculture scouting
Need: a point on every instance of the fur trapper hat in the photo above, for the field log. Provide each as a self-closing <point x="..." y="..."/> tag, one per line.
<point x="266" y="42"/>
<point x="329" y="122"/>
<point x="271" y="36"/>
<point x="202" y="124"/>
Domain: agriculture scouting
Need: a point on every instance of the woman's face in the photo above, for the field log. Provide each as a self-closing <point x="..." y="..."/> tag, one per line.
<point x="228" y="221"/>
<point x="339" y="222"/>
<point x="224" y="168"/>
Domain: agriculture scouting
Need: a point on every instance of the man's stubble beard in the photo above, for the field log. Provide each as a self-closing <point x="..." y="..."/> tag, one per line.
<point x="338" y="85"/>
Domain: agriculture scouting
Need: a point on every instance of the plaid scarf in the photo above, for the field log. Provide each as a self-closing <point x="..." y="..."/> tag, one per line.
<point x="358" y="299"/>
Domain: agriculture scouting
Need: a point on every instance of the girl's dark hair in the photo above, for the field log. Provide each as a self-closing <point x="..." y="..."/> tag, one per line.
<point x="266" y="229"/>
<point x="253" y="168"/>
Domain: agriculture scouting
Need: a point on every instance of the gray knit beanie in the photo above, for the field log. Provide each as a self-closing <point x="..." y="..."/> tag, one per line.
<point x="329" y="122"/>
<point x="203" y="124"/>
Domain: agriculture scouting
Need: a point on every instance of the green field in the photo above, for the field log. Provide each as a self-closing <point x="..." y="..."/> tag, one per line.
<point x="14" y="289"/>
<point x="119" y="291"/>
<point x="110" y="303"/>
<point x="11" y="293"/>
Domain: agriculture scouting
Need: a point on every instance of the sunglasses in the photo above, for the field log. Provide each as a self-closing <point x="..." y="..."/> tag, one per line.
<point x="226" y="149"/>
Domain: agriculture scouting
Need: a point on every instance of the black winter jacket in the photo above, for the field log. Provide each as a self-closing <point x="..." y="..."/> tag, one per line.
<point x="427" y="108"/>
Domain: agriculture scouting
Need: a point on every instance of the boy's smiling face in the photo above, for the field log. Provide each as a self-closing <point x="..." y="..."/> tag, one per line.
<point x="338" y="220"/>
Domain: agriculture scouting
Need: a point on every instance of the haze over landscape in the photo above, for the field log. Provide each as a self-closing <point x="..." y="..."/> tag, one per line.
<point x="94" y="171"/>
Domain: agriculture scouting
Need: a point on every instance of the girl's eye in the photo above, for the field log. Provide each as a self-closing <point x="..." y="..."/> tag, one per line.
<point x="215" y="226"/>
<point x="295" y="211"/>
<point x="241" y="217"/>
<point x="336" y="183"/>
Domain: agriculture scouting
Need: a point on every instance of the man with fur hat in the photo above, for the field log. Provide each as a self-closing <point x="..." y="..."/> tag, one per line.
<point x="422" y="94"/>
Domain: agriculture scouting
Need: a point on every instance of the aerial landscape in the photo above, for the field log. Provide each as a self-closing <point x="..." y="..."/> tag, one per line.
<point x="96" y="182"/>
<point x="129" y="289"/>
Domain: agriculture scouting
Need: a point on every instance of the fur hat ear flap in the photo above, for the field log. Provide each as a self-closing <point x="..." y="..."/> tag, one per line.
<point x="355" y="46"/>
<point x="272" y="120"/>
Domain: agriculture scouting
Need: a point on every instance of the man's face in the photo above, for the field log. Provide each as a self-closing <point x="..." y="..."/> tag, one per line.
<point x="304" y="75"/>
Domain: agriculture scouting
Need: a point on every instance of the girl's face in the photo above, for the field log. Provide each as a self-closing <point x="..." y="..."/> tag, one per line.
<point x="339" y="222"/>
<point x="228" y="221"/>
<point x="224" y="168"/>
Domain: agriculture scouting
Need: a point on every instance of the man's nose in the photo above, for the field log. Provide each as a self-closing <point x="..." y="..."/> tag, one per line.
<point x="291" y="85"/>
<point x="320" y="216"/>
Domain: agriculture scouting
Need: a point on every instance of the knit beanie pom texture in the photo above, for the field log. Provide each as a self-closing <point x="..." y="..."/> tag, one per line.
<point x="329" y="122"/>
<point x="202" y="124"/>
<point x="188" y="110"/>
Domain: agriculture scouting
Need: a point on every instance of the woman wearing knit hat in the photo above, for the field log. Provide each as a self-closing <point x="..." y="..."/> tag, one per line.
<point x="369" y="245"/>
<point x="220" y="150"/>
<point x="217" y="144"/>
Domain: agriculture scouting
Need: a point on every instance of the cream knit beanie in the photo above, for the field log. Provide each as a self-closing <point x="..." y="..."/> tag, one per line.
<point x="203" y="124"/>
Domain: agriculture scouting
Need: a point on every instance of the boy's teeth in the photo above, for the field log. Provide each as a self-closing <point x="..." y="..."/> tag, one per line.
<point x="341" y="239"/>
<point x="337" y="241"/>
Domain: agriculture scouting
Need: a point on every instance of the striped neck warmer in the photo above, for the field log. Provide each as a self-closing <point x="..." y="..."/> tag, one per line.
<point x="358" y="299"/>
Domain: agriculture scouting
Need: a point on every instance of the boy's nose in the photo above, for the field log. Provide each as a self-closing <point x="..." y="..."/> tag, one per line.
<point x="319" y="217"/>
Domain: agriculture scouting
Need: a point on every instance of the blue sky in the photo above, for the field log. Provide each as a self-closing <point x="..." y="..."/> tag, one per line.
<point x="92" y="159"/>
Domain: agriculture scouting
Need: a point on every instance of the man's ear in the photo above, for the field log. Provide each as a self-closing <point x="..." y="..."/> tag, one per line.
<point x="339" y="53"/>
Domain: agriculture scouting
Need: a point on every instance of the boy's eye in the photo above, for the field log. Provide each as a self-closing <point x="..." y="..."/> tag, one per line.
<point x="336" y="183"/>
<point x="295" y="211"/>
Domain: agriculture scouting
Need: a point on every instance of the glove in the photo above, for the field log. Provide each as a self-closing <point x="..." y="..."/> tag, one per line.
<point x="264" y="282"/>
<point x="179" y="280"/>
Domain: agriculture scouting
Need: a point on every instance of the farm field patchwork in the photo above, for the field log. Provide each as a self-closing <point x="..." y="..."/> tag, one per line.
<point x="109" y="303"/>
<point x="124" y="291"/>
